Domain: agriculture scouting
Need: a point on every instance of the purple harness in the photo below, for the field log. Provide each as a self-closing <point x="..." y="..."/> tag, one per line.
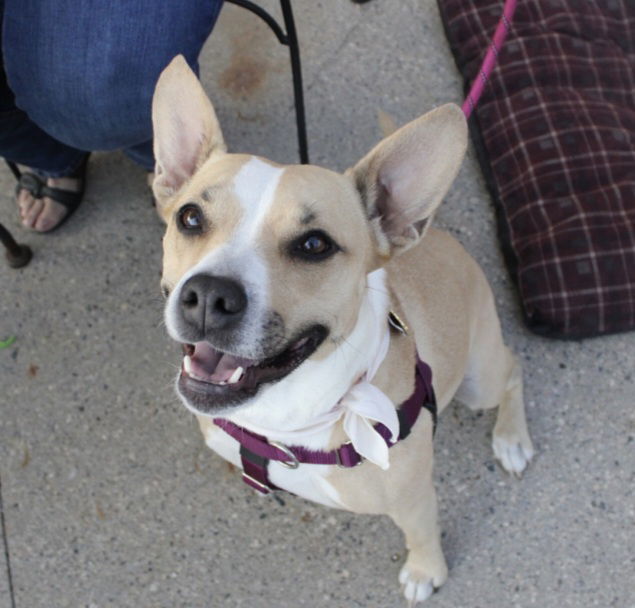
<point x="256" y="451"/>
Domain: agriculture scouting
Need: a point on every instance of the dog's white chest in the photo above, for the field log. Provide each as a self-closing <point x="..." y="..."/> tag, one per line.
<point x="307" y="481"/>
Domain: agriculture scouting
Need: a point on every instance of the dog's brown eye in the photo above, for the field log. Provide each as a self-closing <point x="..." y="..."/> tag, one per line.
<point x="314" y="246"/>
<point x="190" y="219"/>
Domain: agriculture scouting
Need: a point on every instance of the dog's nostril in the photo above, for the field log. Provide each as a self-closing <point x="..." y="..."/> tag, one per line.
<point x="221" y="306"/>
<point x="228" y="306"/>
<point x="189" y="299"/>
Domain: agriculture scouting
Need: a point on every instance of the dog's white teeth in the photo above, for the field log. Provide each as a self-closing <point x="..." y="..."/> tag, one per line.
<point x="187" y="365"/>
<point x="236" y="376"/>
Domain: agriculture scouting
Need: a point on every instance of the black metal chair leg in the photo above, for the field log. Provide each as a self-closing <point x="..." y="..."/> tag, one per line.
<point x="296" y="72"/>
<point x="290" y="39"/>
<point x="14" y="169"/>
<point x="17" y="255"/>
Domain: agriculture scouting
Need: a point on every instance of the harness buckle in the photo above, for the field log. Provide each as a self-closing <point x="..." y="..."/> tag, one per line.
<point x="255" y="484"/>
<point x="347" y="457"/>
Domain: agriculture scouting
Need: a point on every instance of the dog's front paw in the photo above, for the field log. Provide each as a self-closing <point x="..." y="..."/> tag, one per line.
<point x="418" y="585"/>
<point x="514" y="453"/>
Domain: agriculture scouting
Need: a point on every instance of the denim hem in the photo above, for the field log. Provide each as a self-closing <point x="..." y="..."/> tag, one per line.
<point x="66" y="171"/>
<point x="140" y="159"/>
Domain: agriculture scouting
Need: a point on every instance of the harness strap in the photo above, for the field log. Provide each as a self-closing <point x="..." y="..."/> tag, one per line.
<point x="256" y="450"/>
<point x="255" y="471"/>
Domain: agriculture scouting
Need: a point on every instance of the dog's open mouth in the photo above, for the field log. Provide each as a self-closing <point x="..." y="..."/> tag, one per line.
<point x="211" y="379"/>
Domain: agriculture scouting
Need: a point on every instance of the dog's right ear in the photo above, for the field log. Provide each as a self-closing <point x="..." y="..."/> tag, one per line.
<point x="186" y="130"/>
<point x="404" y="178"/>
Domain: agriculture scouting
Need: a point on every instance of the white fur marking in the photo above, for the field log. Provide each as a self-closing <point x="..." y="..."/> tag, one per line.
<point x="255" y="185"/>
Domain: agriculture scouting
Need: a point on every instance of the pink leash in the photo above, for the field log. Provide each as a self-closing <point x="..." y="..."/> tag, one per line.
<point x="502" y="29"/>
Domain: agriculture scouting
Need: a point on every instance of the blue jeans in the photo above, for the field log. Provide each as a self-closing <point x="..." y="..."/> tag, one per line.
<point x="78" y="75"/>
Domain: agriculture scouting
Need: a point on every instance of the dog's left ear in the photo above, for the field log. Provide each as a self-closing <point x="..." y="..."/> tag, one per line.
<point x="405" y="177"/>
<point x="186" y="130"/>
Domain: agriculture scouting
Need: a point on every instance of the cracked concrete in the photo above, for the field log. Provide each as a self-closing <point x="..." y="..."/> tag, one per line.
<point x="112" y="500"/>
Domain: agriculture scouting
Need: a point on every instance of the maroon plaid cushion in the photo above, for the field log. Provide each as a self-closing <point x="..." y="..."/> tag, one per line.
<point x="555" y="130"/>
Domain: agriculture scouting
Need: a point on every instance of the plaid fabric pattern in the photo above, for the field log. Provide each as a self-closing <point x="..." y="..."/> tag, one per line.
<point x="555" y="130"/>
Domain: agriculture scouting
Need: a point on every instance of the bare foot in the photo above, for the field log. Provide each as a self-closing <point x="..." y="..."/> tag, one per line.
<point x="44" y="214"/>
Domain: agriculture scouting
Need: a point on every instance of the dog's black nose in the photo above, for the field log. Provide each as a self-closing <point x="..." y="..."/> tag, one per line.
<point x="212" y="303"/>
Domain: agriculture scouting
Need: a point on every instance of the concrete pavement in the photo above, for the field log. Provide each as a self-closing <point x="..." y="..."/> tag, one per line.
<point x="111" y="499"/>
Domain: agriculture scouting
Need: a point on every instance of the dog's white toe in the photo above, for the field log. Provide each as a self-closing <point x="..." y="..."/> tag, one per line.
<point x="416" y="588"/>
<point x="514" y="455"/>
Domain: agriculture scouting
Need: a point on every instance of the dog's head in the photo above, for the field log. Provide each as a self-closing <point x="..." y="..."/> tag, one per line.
<point x="265" y="265"/>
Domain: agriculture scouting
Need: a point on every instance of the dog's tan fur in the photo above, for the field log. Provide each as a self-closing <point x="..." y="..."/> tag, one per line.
<point x="435" y="286"/>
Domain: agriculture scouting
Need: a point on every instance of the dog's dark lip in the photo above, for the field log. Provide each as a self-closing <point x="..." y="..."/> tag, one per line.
<point x="208" y="397"/>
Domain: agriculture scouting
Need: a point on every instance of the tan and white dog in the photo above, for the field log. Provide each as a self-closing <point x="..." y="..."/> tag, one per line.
<point x="279" y="281"/>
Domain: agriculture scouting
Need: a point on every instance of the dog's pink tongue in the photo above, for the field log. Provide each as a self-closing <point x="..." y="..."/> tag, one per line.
<point x="208" y="363"/>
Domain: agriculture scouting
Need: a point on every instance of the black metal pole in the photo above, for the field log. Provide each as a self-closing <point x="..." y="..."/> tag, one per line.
<point x="296" y="71"/>
<point x="17" y="255"/>
<point x="264" y="15"/>
<point x="14" y="169"/>
<point x="290" y="39"/>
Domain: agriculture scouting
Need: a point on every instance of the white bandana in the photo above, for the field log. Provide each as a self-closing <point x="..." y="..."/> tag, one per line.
<point x="363" y="405"/>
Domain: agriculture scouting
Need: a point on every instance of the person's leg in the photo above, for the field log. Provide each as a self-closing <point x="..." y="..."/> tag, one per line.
<point x="142" y="154"/>
<point x="23" y="142"/>
<point x="88" y="73"/>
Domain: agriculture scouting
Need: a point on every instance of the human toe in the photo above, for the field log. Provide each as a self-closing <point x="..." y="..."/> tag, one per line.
<point x="51" y="215"/>
<point x="30" y="216"/>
